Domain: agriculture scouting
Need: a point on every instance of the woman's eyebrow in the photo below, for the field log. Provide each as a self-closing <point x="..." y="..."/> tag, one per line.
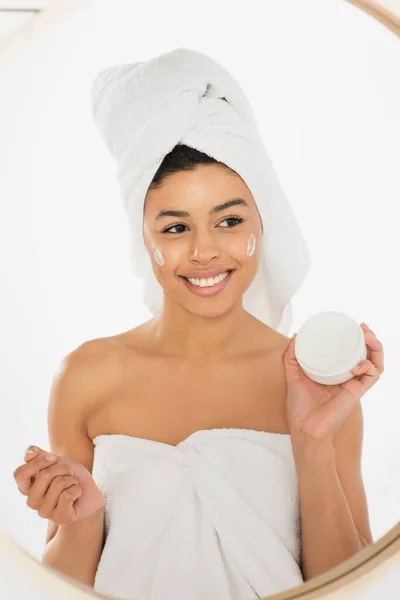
<point x="215" y="209"/>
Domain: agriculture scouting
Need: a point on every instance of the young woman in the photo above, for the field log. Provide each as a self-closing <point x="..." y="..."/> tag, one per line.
<point x="190" y="456"/>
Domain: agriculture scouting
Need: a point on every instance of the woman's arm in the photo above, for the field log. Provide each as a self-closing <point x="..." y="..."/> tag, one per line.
<point x="75" y="549"/>
<point x="332" y="499"/>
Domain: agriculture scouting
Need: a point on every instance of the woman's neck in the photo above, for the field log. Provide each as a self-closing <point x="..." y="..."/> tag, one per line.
<point x="178" y="332"/>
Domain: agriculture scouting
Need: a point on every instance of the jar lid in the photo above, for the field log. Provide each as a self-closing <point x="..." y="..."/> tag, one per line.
<point x="329" y="342"/>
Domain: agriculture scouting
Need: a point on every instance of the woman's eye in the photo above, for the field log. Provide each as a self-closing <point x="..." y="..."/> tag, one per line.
<point x="174" y="227"/>
<point x="237" y="219"/>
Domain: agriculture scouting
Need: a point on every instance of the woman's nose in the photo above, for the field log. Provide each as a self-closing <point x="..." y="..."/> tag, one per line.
<point x="204" y="248"/>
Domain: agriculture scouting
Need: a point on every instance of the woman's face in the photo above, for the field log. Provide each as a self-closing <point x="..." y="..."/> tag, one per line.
<point x="203" y="237"/>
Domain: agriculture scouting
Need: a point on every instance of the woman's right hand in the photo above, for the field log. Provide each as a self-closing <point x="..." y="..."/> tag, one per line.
<point x="62" y="490"/>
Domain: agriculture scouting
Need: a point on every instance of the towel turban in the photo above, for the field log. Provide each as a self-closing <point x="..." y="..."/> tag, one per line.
<point x="144" y="109"/>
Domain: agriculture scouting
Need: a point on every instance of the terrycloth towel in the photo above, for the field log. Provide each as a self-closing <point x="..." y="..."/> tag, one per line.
<point x="144" y="109"/>
<point x="215" y="517"/>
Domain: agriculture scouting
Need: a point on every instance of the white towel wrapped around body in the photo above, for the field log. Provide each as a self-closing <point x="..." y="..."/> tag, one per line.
<point x="215" y="517"/>
<point x="144" y="109"/>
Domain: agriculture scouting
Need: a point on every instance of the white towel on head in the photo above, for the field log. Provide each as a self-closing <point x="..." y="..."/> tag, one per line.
<point x="144" y="109"/>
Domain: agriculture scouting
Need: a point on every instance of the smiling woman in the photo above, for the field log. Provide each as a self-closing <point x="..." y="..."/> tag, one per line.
<point x="212" y="226"/>
<point x="217" y="240"/>
<point x="159" y="163"/>
<point x="177" y="469"/>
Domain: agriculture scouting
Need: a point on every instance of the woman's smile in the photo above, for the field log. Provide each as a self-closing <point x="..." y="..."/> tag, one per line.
<point x="208" y="287"/>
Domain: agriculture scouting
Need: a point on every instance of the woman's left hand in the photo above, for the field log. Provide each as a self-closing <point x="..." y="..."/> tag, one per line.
<point x="318" y="410"/>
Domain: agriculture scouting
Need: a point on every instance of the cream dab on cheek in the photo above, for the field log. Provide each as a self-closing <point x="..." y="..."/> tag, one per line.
<point x="158" y="257"/>
<point x="251" y="245"/>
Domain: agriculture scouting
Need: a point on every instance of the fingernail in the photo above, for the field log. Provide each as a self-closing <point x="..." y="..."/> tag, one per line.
<point x="50" y="457"/>
<point x="31" y="450"/>
<point x="357" y="368"/>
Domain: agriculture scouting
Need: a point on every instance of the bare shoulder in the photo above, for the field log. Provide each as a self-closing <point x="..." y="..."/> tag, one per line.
<point x="99" y="364"/>
<point x="269" y="340"/>
<point x="104" y="352"/>
<point x="92" y="365"/>
<point x="282" y="342"/>
<point x="80" y="378"/>
<point x="92" y="355"/>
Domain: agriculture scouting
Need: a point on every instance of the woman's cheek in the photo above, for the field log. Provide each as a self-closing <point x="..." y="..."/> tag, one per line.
<point x="159" y="256"/>
<point x="166" y="256"/>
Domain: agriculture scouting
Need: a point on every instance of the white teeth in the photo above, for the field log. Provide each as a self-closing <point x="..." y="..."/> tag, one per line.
<point x="210" y="281"/>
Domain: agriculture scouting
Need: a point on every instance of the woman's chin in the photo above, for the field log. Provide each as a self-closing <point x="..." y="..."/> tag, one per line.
<point x="201" y="309"/>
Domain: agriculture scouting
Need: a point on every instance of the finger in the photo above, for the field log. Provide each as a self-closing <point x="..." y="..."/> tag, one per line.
<point x="375" y="348"/>
<point x="56" y="488"/>
<point x="363" y="367"/>
<point x="65" y="511"/>
<point x="291" y="365"/>
<point x="33" y="451"/>
<point x="24" y="473"/>
<point x="364" y="378"/>
<point x="43" y="482"/>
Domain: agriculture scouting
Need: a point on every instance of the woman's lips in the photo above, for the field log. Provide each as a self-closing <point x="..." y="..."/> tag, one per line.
<point x="211" y="290"/>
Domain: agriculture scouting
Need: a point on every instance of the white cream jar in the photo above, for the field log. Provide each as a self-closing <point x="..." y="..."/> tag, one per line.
<point x="328" y="346"/>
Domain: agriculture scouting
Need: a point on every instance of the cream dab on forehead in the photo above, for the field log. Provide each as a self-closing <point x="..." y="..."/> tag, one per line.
<point x="251" y="245"/>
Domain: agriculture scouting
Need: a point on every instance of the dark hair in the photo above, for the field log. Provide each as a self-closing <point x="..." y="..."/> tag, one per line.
<point x="182" y="158"/>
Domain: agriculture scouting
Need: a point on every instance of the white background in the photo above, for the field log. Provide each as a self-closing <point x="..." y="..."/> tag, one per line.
<point x="322" y="78"/>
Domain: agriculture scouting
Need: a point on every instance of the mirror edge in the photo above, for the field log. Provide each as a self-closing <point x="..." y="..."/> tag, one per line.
<point x="356" y="572"/>
<point x="379" y="13"/>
